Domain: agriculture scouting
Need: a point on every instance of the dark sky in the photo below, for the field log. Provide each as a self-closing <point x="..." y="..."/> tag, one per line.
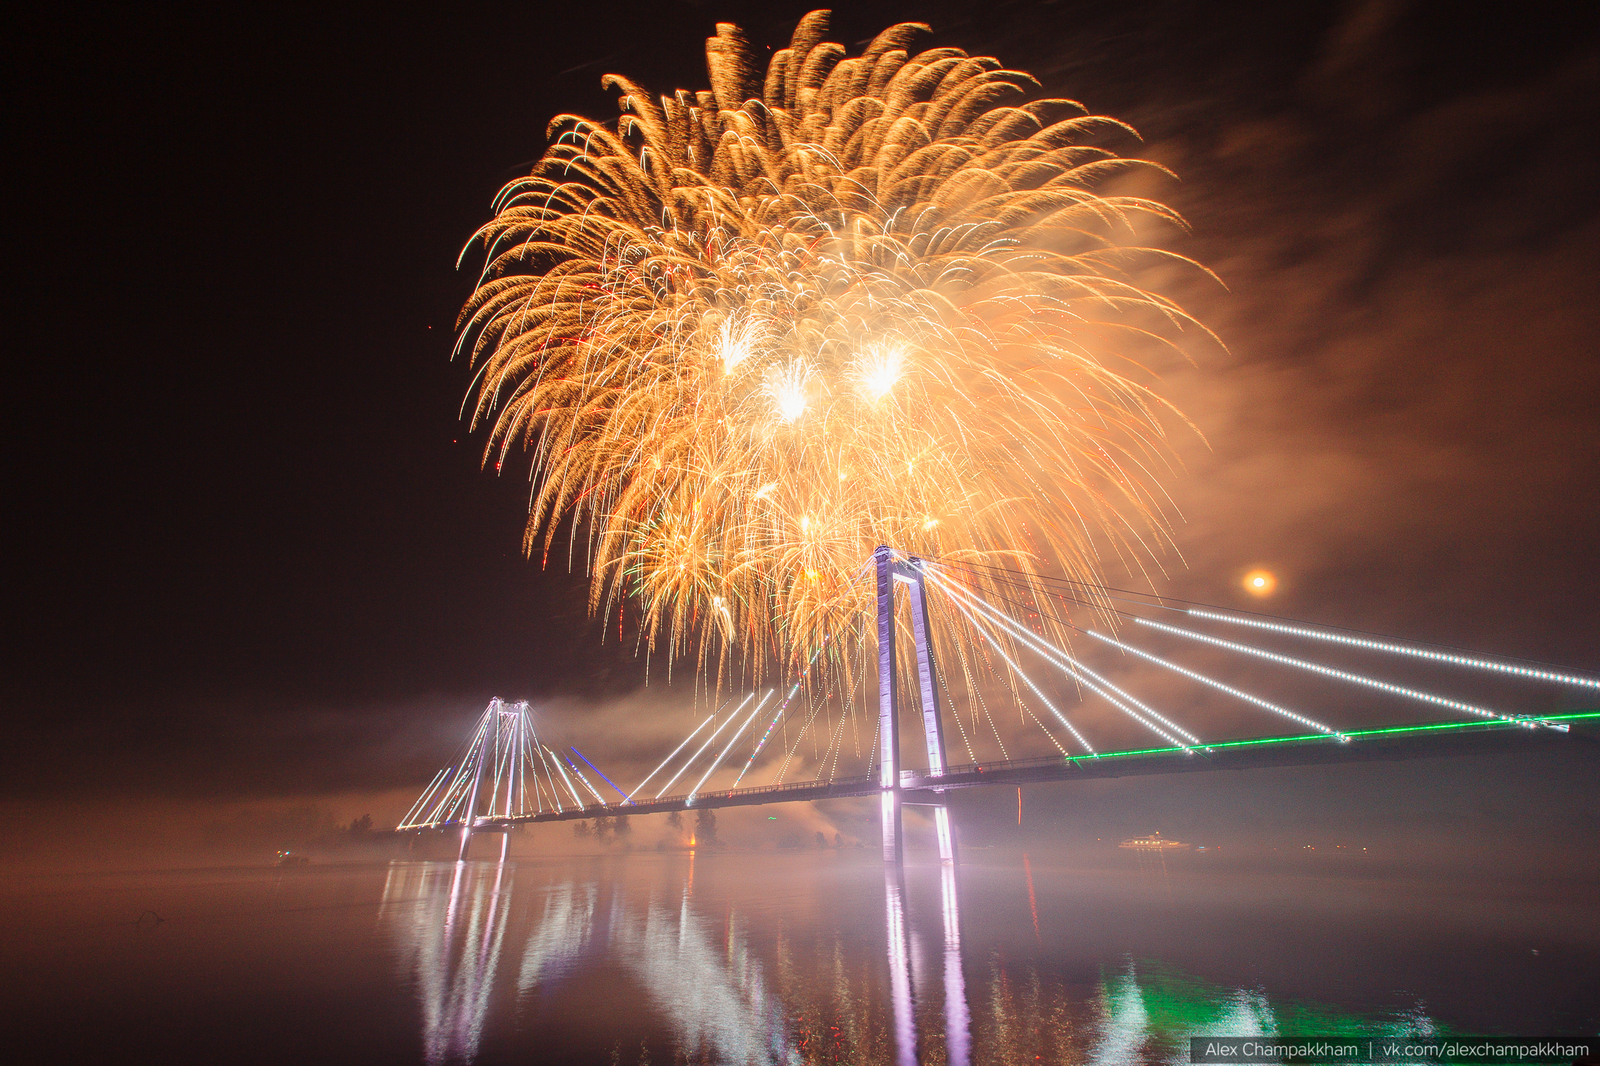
<point x="253" y="552"/>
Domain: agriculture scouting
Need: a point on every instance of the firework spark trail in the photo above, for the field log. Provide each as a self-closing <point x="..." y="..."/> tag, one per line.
<point x="746" y="334"/>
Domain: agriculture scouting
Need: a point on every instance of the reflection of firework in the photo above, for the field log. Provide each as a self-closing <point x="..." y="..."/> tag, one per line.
<point x="752" y="332"/>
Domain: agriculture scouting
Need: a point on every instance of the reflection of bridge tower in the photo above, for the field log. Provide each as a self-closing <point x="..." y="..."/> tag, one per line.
<point x="449" y="924"/>
<point x="892" y="568"/>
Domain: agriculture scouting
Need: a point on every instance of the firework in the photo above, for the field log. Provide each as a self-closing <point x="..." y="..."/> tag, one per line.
<point x="747" y="334"/>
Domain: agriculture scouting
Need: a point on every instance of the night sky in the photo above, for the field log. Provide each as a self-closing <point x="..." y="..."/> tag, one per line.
<point x="254" y="555"/>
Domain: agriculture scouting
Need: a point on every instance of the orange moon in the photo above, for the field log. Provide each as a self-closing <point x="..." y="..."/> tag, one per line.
<point x="1260" y="582"/>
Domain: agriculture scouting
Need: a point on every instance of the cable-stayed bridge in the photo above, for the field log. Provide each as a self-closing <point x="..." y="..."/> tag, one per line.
<point x="507" y="776"/>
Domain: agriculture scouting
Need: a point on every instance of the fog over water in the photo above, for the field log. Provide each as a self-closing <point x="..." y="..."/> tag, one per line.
<point x="814" y="956"/>
<point x="263" y="586"/>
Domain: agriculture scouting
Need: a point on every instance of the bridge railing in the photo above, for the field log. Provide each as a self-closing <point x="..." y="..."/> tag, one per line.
<point x="756" y="790"/>
<point x="988" y="767"/>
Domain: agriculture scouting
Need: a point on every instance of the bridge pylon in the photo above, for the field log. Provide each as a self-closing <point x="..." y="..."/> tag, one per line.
<point x="894" y="568"/>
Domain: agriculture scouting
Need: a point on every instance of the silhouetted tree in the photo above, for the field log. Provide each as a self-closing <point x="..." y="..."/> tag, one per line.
<point x="705" y="826"/>
<point x="822" y="841"/>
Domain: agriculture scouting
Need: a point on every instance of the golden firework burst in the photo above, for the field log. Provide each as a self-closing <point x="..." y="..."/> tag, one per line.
<point x="748" y="333"/>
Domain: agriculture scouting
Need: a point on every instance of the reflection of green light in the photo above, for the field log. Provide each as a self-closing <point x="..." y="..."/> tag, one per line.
<point x="1300" y="738"/>
<point x="1178" y="1006"/>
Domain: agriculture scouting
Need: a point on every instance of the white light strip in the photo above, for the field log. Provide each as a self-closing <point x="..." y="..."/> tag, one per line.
<point x="566" y="779"/>
<point x="549" y="774"/>
<point x="1399" y="649"/>
<point x="597" y="797"/>
<point x="1219" y="686"/>
<point x="417" y="807"/>
<point x="706" y="745"/>
<point x="1079" y="671"/>
<point x="1002" y="652"/>
<point x="695" y="791"/>
<point x="1046" y="649"/>
<point x="1342" y="675"/>
<point x="669" y="758"/>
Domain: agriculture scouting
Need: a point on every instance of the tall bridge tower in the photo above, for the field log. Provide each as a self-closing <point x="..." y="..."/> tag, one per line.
<point x="894" y="569"/>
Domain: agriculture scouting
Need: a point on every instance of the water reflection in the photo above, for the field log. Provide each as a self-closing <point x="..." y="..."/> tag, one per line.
<point x="905" y="1026"/>
<point x="560" y="935"/>
<point x="449" y="922"/>
<point x="957" y="1016"/>
<point x="715" y="996"/>
<point x="703" y="978"/>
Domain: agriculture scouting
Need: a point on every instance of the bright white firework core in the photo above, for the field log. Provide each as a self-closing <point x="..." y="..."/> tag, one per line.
<point x="735" y="343"/>
<point x="787" y="388"/>
<point x="879" y="369"/>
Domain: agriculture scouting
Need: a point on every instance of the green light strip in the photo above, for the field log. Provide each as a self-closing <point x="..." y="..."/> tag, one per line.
<point x="1435" y="727"/>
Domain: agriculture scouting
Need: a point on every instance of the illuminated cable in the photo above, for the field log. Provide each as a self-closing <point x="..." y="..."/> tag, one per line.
<point x="1018" y="670"/>
<point x="731" y="742"/>
<point x="1079" y="671"/>
<point x="564" y="778"/>
<point x="550" y="776"/>
<point x="592" y="790"/>
<point x="1218" y="685"/>
<point x="1342" y="675"/>
<point x="669" y="758"/>
<point x="706" y="745"/>
<point x="596" y="769"/>
<point x="1398" y="649"/>
<point x="422" y="801"/>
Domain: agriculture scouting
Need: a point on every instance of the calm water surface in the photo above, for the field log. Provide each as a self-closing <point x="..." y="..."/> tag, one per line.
<point x="806" y="957"/>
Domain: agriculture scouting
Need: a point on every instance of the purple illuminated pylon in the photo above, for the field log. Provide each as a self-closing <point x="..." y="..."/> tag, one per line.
<point x="893" y="567"/>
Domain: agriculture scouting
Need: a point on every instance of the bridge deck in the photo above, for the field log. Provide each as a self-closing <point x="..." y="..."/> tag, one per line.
<point x="1403" y="742"/>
